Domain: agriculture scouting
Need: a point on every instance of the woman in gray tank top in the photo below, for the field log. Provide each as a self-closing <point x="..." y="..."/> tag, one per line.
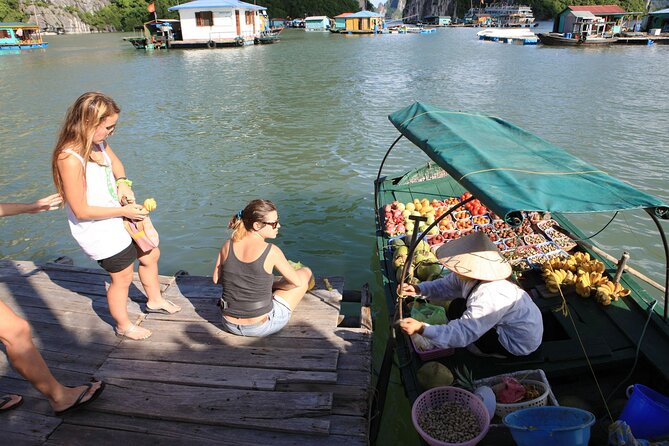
<point x="253" y="303"/>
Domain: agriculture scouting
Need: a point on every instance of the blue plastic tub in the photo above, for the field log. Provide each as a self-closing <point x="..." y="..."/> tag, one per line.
<point x="550" y="426"/>
<point x="646" y="412"/>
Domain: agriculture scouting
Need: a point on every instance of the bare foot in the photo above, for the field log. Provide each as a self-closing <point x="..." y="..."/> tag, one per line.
<point x="134" y="332"/>
<point x="75" y="397"/>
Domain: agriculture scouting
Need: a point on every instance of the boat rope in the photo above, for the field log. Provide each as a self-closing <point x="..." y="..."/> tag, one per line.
<point x="638" y="349"/>
<point x="566" y="312"/>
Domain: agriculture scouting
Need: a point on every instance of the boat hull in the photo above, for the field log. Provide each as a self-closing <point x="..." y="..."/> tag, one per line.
<point x="30" y="46"/>
<point x="555" y="39"/>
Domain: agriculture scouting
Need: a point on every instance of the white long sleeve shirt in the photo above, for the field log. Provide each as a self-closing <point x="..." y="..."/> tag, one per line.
<point x="500" y="304"/>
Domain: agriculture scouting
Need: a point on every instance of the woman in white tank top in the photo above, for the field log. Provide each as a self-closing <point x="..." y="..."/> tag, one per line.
<point x="91" y="178"/>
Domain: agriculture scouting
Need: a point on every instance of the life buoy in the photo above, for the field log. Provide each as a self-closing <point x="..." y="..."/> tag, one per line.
<point x="211" y="44"/>
<point x="239" y="42"/>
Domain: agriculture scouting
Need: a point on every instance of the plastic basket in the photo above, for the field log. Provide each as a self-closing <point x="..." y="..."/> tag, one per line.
<point x="523" y="376"/>
<point x="428" y="355"/>
<point x="440" y="395"/>
<point x="501" y="410"/>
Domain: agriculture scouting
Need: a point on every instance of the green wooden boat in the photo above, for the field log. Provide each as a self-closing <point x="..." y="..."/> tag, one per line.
<point x="592" y="352"/>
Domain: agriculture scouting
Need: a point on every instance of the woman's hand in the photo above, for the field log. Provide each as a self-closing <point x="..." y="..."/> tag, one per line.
<point x="407" y="290"/>
<point x="124" y="191"/>
<point x="134" y="212"/>
<point x="47" y="203"/>
<point x="410" y="326"/>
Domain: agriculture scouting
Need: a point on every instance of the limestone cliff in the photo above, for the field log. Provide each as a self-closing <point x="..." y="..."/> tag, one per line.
<point x="53" y="14"/>
<point x="425" y="8"/>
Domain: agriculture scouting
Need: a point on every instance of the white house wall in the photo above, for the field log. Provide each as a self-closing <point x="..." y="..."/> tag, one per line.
<point x="225" y="25"/>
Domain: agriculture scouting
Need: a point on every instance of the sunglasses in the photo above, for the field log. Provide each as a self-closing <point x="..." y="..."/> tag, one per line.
<point x="273" y="224"/>
<point x="111" y="129"/>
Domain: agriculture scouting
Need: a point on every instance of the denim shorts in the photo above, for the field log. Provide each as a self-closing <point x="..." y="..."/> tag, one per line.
<point x="276" y="320"/>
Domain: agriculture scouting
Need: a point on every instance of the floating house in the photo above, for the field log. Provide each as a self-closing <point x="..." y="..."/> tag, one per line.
<point x="317" y="23"/>
<point x="277" y="23"/>
<point x="20" y="36"/>
<point x="214" y="23"/>
<point x="340" y="22"/>
<point x="363" y="22"/>
<point x="659" y="20"/>
<point x="437" y="20"/>
<point x="612" y="15"/>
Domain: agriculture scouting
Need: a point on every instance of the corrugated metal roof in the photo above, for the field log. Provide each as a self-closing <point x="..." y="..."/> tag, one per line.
<point x="661" y="11"/>
<point x="211" y="4"/>
<point x="363" y="14"/>
<point x="344" y="14"/>
<point x="315" y="18"/>
<point x="599" y="9"/>
<point x="583" y="14"/>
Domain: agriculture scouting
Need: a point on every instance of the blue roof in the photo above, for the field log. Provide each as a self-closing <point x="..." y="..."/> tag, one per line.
<point x="210" y="4"/>
<point x="363" y="14"/>
<point x="661" y="11"/>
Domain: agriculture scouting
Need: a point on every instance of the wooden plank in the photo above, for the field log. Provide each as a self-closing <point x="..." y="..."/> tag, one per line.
<point x="246" y="356"/>
<point x="26" y="425"/>
<point x="84" y="429"/>
<point x="210" y="375"/>
<point x="277" y="411"/>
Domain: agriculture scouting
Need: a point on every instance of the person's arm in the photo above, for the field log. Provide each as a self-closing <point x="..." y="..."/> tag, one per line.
<point x="72" y="175"/>
<point x="445" y="288"/>
<point x="222" y="255"/>
<point x="285" y="269"/>
<point x="124" y="190"/>
<point x="43" y="204"/>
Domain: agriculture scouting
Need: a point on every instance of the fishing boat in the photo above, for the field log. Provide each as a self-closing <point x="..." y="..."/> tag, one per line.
<point x="593" y="347"/>
<point x="20" y="36"/>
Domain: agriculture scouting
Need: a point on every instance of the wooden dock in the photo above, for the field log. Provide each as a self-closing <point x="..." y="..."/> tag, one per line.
<point x="190" y="383"/>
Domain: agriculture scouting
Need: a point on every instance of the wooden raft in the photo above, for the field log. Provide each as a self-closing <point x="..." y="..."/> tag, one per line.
<point x="190" y="383"/>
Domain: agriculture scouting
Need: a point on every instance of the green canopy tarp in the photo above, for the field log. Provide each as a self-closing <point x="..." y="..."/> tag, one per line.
<point x="511" y="170"/>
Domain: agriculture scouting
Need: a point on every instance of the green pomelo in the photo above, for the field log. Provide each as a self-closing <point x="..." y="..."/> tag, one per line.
<point x="434" y="374"/>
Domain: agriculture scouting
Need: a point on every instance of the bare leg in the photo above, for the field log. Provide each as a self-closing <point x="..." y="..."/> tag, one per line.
<point x="24" y="357"/>
<point x="148" y="275"/>
<point x="117" y="298"/>
<point x="294" y="295"/>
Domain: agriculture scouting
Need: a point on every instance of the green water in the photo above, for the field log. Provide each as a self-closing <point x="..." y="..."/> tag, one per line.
<point x="304" y="123"/>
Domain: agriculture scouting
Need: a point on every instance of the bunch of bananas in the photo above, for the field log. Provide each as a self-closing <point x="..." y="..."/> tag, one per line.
<point x="586" y="274"/>
<point x="609" y="291"/>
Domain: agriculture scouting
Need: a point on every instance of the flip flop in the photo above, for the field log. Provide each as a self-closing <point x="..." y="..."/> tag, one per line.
<point x="6" y="400"/>
<point x="124" y="334"/>
<point x="78" y="404"/>
<point x="162" y="310"/>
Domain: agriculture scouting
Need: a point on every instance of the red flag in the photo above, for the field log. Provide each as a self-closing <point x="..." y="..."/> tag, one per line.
<point x="151" y="7"/>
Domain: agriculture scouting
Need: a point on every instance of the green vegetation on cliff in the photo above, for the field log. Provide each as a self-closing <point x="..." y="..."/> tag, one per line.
<point x="302" y="8"/>
<point x="10" y="11"/>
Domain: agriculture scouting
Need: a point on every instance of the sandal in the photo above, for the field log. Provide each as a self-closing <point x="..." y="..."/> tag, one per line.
<point x="162" y="310"/>
<point x="126" y="333"/>
<point x="78" y="404"/>
<point x="7" y="400"/>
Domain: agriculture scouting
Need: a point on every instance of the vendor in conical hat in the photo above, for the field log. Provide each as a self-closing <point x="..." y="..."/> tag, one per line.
<point x="488" y="314"/>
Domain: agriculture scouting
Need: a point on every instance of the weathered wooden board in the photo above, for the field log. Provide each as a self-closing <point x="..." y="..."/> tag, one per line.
<point x="208" y="375"/>
<point x="303" y="412"/>
<point x="247" y="356"/>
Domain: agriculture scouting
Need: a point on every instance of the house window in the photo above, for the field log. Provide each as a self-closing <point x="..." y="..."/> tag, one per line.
<point x="4" y="34"/>
<point x="204" y="18"/>
<point x="249" y="17"/>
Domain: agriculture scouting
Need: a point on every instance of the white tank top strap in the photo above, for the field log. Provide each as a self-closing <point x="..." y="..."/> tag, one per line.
<point x="72" y="152"/>
<point x="102" y="149"/>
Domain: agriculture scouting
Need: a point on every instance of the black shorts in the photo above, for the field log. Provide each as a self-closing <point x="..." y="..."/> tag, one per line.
<point x="119" y="262"/>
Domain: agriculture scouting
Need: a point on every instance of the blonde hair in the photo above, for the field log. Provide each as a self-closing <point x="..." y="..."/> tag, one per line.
<point x="76" y="133"/>
<point x="242" y="223"/>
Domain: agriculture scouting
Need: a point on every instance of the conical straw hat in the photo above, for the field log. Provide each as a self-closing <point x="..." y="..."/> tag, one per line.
<point x="474" y="256"/>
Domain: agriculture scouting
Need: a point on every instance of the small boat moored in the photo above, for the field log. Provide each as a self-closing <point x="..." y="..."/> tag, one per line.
<point x="487" y="175"/>
<point x="20" y="36"/>
<point x="521" y="36"/>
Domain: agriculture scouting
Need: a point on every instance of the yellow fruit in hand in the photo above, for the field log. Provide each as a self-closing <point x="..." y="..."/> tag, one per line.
<point x="150" y="204"/>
